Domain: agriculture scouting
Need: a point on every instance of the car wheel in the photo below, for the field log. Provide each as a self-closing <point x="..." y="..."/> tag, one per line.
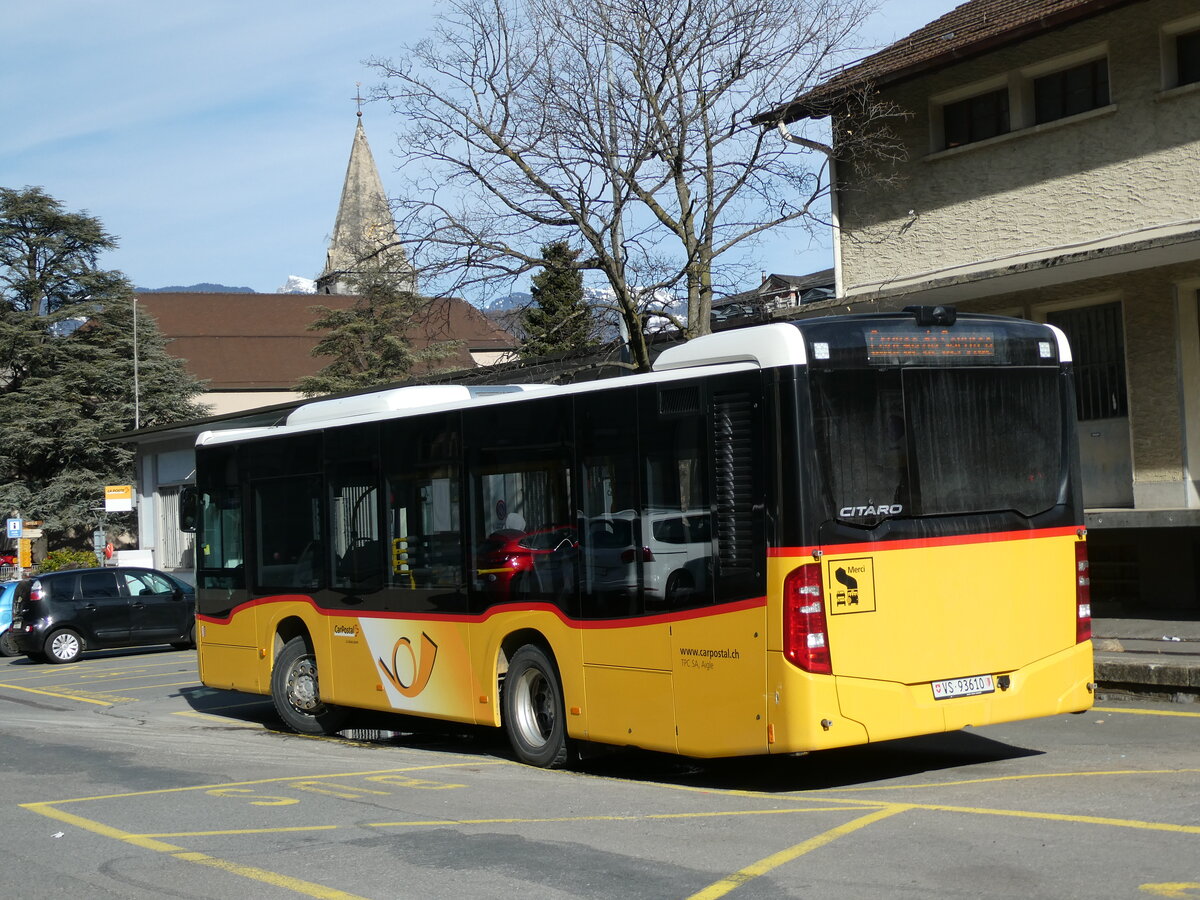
<point x="533" y="709"/>
<point x="295" y="690"/>
<point x="63" y="646"/>
<point x="8" y="645"/>
<point x="190" y="643"/>
<point x="678" y="590"/>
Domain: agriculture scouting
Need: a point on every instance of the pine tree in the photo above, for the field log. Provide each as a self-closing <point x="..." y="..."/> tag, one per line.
<point x="370" y="342"/>
<point x="67" y="367"/>
<point x="559" y="321"/>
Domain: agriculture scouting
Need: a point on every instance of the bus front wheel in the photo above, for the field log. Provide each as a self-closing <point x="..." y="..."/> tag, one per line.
<point x="295" y="691"/>
<point x="533" y="709"/>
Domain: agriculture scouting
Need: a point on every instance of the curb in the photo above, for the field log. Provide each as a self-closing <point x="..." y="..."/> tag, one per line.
<point x="1131" y="672"/>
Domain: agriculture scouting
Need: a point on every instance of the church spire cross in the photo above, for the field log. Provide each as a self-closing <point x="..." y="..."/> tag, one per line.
<point x="357" y="98"/>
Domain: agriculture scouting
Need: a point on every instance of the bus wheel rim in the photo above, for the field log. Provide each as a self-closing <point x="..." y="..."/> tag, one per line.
<point x="534" y="708"/>
<point x="302" y="686"/>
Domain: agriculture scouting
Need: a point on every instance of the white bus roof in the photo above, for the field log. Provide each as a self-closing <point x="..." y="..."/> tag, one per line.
<point x="761" y="347"/>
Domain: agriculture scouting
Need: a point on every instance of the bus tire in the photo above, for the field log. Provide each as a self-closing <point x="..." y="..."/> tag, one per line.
<point x="295" y="690"/>
<point x="533" y="712"/>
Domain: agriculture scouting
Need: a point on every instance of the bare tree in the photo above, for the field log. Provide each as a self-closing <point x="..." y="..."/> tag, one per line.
<point x="623" y="125"/>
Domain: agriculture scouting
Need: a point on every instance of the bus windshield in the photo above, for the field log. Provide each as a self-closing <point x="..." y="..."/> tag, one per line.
<point x="905" y="442"/>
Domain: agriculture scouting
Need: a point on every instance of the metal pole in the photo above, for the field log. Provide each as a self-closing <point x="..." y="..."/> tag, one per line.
<point x="137" y="400"/>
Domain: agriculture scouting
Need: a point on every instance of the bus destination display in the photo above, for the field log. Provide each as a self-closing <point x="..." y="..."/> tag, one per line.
<point x="929" y="344"/>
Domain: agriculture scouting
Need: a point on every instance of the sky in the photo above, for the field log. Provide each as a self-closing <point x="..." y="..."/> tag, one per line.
<point x="211" y="138"/>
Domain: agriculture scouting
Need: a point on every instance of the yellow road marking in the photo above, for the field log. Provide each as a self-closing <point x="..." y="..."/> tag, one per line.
<point x="1061" y="817"/>
<point x="439" y="823"/>
<point x="266" y="877"/>
<point x="192" y="714"/>
<point x="551" y="820"/>
<point x="775" y="860"/>
<point x="1183" y="889"/>
<point x="148" y="687"/>
<point x="100" y="828"/>
<point x="29" y="690"/>
<point x="284" y="779"/>
<point x="933" y="784"/>
<point x="88" y="669"/>
<point x="1145" y="712"/>
<point x="275" y="879"/>
<point x="229" y="832"/>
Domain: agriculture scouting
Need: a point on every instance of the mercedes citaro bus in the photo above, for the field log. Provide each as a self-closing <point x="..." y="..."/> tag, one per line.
<point x="784" y="538"/>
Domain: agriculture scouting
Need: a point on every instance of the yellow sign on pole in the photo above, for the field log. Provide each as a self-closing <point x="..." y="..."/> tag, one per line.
<point x="25" y="553"/>
<point x="118" y="498"/>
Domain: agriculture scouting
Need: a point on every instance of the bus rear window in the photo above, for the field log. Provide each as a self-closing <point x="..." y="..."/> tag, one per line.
<point x="928" y="442"/>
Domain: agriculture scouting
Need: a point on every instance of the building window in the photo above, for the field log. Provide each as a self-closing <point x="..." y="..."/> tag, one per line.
<point x="1097" y="338"/>
<point x="1187" y="57"/>
<point x="976" y="118"/>
<point x="1071" y="91"/>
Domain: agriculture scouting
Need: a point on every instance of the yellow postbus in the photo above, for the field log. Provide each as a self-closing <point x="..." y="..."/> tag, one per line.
<point x="784" y="538"/>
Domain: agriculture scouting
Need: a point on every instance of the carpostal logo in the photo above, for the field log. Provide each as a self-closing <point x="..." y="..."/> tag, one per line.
<point x="421" y="665"/>
<point x="345" y="630"/>
<point x="853" y="512"/>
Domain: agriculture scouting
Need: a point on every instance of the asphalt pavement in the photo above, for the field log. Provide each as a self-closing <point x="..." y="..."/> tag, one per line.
<point x="1159" y="657"/>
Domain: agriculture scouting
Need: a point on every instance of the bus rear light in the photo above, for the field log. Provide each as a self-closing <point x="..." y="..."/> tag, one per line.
<point x="1083" y="594"/>
<point x="805" y="632"/>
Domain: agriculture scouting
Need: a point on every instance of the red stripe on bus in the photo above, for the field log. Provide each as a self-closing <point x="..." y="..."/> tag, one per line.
<point x="467" y="618"/>
<point x="916" y="543"/>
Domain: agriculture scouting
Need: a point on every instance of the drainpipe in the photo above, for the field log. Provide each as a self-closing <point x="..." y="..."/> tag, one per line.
<point x="833" y="198"/>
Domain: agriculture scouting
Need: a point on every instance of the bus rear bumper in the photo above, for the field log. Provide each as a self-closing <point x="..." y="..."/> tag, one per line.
<point x="1056" y="684"/>
<point x="870" y="710"/>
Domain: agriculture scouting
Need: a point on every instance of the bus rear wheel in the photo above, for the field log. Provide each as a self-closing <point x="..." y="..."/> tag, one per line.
<point x="295" y="691"/>
<point x="534" y="718"/>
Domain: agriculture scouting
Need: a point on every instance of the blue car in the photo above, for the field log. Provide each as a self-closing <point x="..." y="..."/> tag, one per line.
<point x="8" y="646"/>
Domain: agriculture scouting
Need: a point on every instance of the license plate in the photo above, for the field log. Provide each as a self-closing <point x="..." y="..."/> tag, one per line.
<point x="964" y="687"/>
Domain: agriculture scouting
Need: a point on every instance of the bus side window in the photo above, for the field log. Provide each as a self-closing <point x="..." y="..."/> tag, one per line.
<point x="677" y="517"/>
<point x="424" y="516"/>
<point x="611" y="560"/>
<point x="291" y="553"/>
<point x="524" y="538"/>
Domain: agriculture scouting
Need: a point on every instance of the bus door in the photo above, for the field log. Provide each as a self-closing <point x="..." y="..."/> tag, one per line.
<point x="625" y="631"/>
<point x="714" y="546"/>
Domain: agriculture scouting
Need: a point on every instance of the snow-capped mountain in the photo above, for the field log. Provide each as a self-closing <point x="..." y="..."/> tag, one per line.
<point x="297" y="284"/>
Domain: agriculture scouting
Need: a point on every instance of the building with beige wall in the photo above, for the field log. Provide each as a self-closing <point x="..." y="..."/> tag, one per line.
<point x="1052" y="171"/>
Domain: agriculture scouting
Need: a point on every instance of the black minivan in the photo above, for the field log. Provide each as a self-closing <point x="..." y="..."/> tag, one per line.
<point x="58" y="615"/>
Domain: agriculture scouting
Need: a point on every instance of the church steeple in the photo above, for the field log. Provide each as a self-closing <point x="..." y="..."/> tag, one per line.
<point x="364" y="233"/>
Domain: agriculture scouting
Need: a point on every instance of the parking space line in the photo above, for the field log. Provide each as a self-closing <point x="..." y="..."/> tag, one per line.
<point x="636" y="817"/>
<point x="1029" y="777"/>
<point x="148" y="687"/>
<point x="29" y="690"/>
<point x="275" y="879"/>
<point x="1145" y="712"/>
<point x="775" y="860"/>
<point x="279" y="780"/>
<point x="1061" y="817"/>
<point x="192" y="714"/>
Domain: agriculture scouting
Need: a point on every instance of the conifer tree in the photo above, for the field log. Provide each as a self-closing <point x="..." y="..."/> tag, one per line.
<point x="67" y="367"/>
<point x="370" y="342"/>
<point x="559" y="321"/>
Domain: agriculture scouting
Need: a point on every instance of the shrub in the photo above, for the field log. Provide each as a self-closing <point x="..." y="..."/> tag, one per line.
<point x="67" y="559"/>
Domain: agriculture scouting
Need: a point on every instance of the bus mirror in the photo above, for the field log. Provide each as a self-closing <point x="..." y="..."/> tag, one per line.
<point x="188" y="508"/>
